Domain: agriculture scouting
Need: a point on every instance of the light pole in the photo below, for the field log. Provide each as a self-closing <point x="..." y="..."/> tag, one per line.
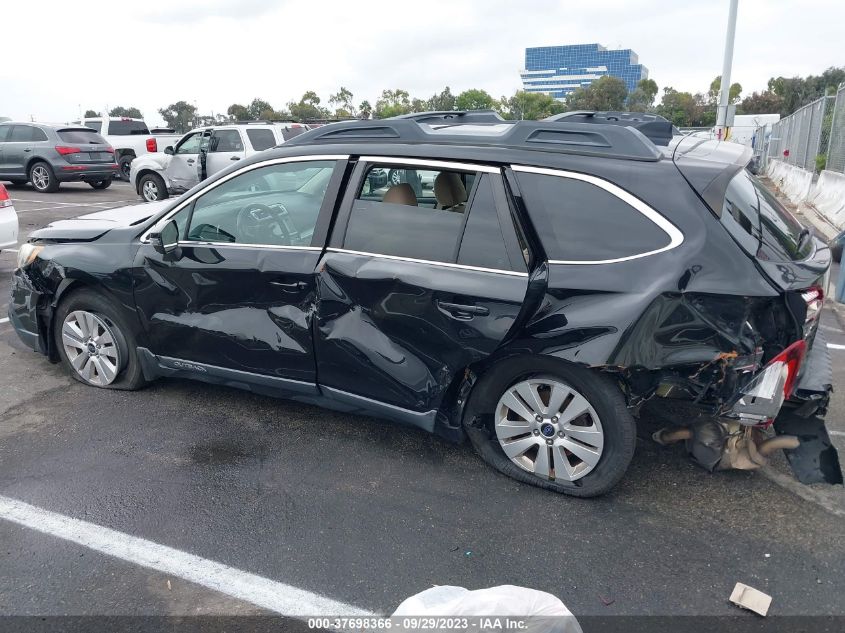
<point x="723" y="121"/>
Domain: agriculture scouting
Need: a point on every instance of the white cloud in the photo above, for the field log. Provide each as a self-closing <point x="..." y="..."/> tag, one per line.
<point x="217" y="52"/>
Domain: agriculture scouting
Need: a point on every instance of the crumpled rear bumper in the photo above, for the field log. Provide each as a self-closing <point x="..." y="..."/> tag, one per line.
<point x="816" y="459"/>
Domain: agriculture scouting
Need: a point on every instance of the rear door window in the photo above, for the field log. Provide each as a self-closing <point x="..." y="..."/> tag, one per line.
<point x="261" y="139"/>
<point x="80" y="136"/>
<point x="94" y="125"/>
<point x="483" y="242"/>
<point x="761" y="224"/>
<point x="25" y="134"/>
<point x="406" y="218"/>
<point x="584" y="220"/>
<point x="289" y="132"/>
<point x="4" y="132"/>
<point x="128" y="127"/>
<point x="226" y="141"/>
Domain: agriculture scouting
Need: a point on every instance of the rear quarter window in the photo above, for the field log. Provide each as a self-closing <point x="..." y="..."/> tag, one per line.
<point x="579" y="221"/>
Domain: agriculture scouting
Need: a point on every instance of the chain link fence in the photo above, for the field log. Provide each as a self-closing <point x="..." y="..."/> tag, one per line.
<point x="802" y="138"/>
<point x="836" y="152"/>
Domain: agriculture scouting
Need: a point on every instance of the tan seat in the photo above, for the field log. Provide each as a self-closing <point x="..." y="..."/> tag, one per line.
<point x="450" y="191"/>
<point x="401" y="194"/>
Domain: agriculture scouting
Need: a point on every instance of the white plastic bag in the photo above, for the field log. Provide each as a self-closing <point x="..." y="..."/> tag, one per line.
<point x="546" y="612"/>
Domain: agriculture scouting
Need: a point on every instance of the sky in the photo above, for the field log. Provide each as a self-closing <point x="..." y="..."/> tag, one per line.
<point x="68" y="57"/>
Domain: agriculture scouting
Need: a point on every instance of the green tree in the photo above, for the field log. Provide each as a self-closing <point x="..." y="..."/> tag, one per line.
<point x="258" y="106"/>
<point x="474" y="99"/>
<point x="132" y="113"/>
<point x="605" y="93"/>
<point x="766" y="102"/>
<point x="90" y="114"/>
<point x="419" y="105"/>
<point x="530" y="106"/>
<point x="716" y="85"/>
<point x="343" y="104"/>
<point x="179" y="116"/>
<point x="441" y="102"/>
<point x="307" y="108"/>
<point x="238" y="112"/>
<point x="365" y="110"/>
<point x="679" y="107"/>
<point x="392" y="103"/>
<point x="642" y="98"/>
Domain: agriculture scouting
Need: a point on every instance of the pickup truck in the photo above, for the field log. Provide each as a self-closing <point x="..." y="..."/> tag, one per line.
<point x="130" y="138"/>
<point x="203" y="152"/>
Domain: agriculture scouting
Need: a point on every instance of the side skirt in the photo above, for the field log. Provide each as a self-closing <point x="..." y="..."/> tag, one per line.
<point x="165" y="367"/>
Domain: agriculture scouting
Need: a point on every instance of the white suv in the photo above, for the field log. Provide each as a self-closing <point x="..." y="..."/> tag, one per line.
<point x="201" y="153"/>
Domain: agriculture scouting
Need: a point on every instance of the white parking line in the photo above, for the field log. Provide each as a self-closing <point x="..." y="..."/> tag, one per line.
<point x="835" y="346"/>
<point x="4" y="320"/>
<point x="263" y="592"/>
<point x="841" y="433"/>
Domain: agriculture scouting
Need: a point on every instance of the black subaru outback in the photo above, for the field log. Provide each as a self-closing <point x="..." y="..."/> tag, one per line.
<point x="557" y="276"/>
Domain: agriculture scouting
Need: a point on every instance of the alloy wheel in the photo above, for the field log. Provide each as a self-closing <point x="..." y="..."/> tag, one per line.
<point x="547" y="428"/>
<point x="90" y="346"/>
<point x="150" y="191"/>
<point x="40" y="177"/>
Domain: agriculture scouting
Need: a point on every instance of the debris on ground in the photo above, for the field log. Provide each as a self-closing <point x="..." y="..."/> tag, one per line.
<point x="751" y="599"/>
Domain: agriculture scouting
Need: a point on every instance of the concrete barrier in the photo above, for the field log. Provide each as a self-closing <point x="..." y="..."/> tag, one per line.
<point x="794" y="182"/>
<point x="828" y="197"/>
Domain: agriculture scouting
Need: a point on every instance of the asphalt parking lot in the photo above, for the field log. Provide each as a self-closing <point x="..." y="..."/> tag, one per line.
<point x="362" y="512"/>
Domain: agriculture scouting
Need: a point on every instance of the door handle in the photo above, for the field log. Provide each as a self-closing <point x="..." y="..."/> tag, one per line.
<point x="190" y="161"/>
<point x="461" y="310"/>
<point x="27" y="149"/>
<point x="290" y="286"/>
<point x="235" y="158"/>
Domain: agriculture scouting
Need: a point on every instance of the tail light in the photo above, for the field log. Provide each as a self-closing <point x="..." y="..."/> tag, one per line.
<point x="152" y="146"/>
<point x="5" y="201"/>
<point x="814" y="298"/>
<point x="108" y="149"/>
<point x="762" y="399"/>
<point x="65" y="150"/>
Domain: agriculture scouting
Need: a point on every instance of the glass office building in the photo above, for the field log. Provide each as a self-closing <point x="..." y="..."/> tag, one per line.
<point x="559" y="70"/>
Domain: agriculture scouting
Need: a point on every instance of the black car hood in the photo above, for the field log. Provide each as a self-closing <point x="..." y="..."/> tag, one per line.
<point x="94" y="225"/>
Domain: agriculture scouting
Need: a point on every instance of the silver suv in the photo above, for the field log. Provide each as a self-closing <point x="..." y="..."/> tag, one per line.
<point x="48" y="154"/>
<point x="203" y="152"/>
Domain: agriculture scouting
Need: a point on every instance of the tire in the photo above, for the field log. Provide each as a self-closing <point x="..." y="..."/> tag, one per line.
<point x="124" y="165"/>
<point x="101" y="184"/>
<point x="151" y="188"/>
<point x="394" y="177"/>
<point x="609" y="416"/>
<point x="43" y="178"/>
<point x="88" y="319"/>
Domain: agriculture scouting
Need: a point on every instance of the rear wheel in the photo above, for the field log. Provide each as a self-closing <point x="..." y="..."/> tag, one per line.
<point x="42" y="178"/>
<point x="567" y="430"/>
<point x="95" y="345"/>
<point x="152" y="188"/>
<point x="124" y="165"/>
<point x="101" y="184"/>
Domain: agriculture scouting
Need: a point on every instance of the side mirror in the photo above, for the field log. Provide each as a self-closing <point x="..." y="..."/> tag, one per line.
<point x="169" y="150"/>
<point x="167" y="240"/>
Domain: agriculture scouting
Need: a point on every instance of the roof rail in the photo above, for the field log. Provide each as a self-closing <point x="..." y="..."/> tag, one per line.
<point x="612" y="141"/>
<point x="454" y="116"/>
<point x="657" y="128"/>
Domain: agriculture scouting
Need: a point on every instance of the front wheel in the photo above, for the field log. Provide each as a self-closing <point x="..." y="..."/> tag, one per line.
<point x="567" y="430"/>
<point x="94" y="343"/>
<point x="101" y="184"/>
<point x="152" y="188"/>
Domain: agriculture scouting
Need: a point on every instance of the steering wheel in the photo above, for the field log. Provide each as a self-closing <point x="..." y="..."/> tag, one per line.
<point x="256" y="222"/>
